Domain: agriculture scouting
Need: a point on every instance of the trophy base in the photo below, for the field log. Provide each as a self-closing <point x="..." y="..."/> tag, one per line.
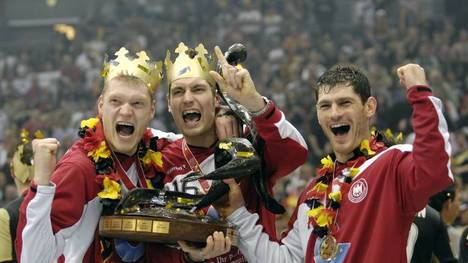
<point x="161" y="229"/>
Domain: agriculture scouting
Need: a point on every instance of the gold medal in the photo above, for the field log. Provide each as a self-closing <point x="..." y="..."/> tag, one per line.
<point x="328" y="248"/>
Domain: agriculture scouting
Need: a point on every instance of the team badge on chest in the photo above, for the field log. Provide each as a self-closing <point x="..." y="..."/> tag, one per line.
<point x="358" y="191"/>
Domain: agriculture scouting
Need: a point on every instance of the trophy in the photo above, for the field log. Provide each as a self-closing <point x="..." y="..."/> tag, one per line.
<point x="153" y="215"/>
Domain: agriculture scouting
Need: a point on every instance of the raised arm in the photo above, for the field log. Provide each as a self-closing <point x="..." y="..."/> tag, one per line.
<point x="424" y="170"/>
<point x="54" y="208"/>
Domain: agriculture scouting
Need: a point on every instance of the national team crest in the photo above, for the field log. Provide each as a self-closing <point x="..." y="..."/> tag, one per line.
<point x="358" y="191"/>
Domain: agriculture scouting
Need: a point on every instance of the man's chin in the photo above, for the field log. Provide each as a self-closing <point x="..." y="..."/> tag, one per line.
<point x="126" y="148"/>
<point x="342" y="149"/>
<point x="191" y="131"/>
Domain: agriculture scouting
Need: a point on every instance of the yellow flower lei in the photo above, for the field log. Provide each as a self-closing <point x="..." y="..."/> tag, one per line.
<point x="111" y="188"/>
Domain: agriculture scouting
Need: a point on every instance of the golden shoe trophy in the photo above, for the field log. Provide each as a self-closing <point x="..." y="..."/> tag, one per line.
<point x="153" y="215"/>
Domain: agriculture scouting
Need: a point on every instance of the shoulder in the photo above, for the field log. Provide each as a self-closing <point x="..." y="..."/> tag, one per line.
<point x="167" y="146"/>
<point x="74" y="163"/>
<point x="170" y="136"/>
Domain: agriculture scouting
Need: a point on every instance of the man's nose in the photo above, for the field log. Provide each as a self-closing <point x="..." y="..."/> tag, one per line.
<point x="126" y="109"/>
<point x="188" y="96"/>
<point x="335" y="111"/>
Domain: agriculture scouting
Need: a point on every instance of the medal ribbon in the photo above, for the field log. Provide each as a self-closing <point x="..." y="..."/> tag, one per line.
<point x="194" y="165"/>
<point x="124" y="177"/>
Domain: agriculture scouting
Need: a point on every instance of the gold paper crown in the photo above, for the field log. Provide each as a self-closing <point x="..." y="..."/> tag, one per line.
<point x="141" y="67"/>
<point x="189" y="63"/>
<point x="22" y="161"/>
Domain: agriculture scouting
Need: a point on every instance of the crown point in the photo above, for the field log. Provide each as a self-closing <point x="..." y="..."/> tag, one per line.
<point x="142" y="56"/>
<point x="190" y="63"/>
<point x="122" y="52"/>
<point x="181" y="48"/>
<point x="140" y="67"/>
<point x="201" y="49"/>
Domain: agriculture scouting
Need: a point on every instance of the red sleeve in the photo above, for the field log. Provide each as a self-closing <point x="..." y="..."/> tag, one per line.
<point x="74" y="188"/>
<point x="285" y="148"/>
<point x="425" y="170"/>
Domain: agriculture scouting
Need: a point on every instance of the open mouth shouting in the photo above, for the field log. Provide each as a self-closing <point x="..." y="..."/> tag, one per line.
<point x="191" y="117"/>
<point x="340" y="129"/>
<point x="125" y="129"/>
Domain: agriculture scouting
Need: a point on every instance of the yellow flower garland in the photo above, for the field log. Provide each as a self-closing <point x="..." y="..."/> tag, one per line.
<point x="111" y="188"/>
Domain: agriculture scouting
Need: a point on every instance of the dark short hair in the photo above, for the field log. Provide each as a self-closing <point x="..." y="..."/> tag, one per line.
<point x="438" y="200"/>
<point x="342" y="74"/>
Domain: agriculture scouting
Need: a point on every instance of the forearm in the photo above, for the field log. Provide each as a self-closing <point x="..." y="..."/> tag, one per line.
<point x="39" y="243"/>
<point x="255" y="245"/>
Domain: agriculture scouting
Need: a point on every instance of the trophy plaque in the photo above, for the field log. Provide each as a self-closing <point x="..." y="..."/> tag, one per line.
<point x="151" y="215"/>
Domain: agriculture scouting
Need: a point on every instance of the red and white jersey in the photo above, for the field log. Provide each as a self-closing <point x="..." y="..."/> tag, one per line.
<point x="60" y="221"/>
<point x="285" y="150"/>
<point x="375" y="216"/>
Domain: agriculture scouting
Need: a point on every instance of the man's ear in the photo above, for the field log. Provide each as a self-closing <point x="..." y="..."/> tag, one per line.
<point x="168" y="98"/>
<point x="100" y="105"/>
<point x="370" y="106"/>
<point x="153" y="108"/>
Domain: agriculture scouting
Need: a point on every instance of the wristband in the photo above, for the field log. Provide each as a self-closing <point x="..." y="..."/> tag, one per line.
<point x="263" y="110"/>
<point x="188" y="259"/>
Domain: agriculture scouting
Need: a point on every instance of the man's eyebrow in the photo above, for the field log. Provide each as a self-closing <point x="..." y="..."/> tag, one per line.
<point x="323" y="101"/>
<point x="177" y="87"/>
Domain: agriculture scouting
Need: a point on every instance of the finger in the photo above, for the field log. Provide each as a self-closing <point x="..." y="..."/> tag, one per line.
<point x="183" y="245"/>
<point x="228" y="244"/>
<point x="234" y="127"/>
<point x="209" y="245"/>
<point x="49" y="147"/>
<point x="400" y="71"/>
<point x="219" y="54"/>
<point x="220" y="132"/>
<point x="187" y="248"/>
<point x="218" y="238"/>
<point x="241" y="75"/>
<point x="218" y="78"/>
<point x="230" y="181"/>
<point x="228" y="131"/>
<point x="239" y="80"/>
<point x="230" y="76"/>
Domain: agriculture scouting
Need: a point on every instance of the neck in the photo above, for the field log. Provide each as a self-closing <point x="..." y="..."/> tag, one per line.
<point x="20" y="187"/>
<point x="206" y="140"/>
<point x="21" y="190"/>
<point x="344" y="157"/>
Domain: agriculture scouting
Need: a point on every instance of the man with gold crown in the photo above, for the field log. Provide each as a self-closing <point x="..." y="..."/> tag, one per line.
<point x="60" y="214"/>
<point x="22" y="171"/>
<point x="192" y="101"/>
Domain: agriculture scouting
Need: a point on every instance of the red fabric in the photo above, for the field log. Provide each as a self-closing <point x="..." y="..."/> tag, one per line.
<point x="399" y="183"/>
<point x="278" y="165"/>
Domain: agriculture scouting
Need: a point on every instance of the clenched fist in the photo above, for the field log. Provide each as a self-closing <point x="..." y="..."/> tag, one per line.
<point x="45" y="159"/>
<point x="411" y="74"/>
